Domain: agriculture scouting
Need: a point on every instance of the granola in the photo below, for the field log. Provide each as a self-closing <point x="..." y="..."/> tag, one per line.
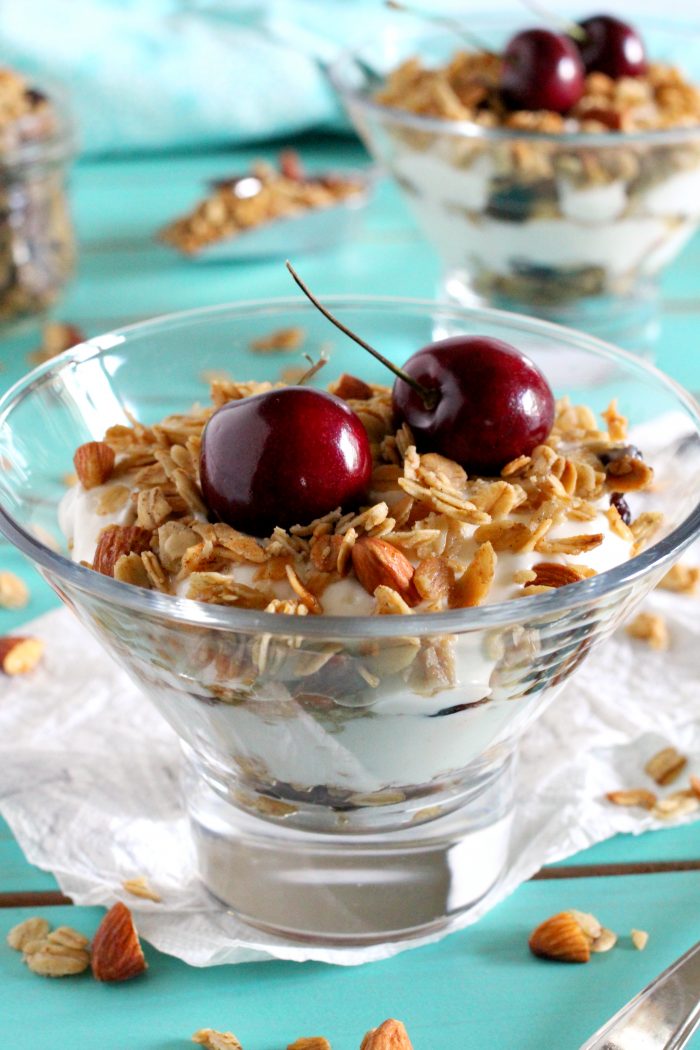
<point x="258" y="197"/>
<point x="430" y="537"/>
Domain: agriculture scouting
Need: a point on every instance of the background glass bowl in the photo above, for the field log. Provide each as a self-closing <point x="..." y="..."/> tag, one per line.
<point x="329" y="797"/>
<point x="575" y="228"/>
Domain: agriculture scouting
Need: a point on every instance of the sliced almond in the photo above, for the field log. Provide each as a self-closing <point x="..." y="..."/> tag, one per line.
<point x="210" y="1039"/>
<point x="94" y="463"/>
<point x="473" y="586"/>
<point x="632" y="797"/>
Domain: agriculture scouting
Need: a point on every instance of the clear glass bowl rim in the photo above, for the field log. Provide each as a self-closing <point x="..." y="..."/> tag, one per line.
<point x="470" y="130"/>
<point x="499" y="614"/>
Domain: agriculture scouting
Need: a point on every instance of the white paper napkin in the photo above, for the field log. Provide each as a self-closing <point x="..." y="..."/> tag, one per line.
<point x="89" y="780"/>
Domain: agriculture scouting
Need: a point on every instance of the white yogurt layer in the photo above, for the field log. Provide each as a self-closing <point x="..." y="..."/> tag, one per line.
<point x="599" y="227"/>
<point x="398" y="743"/>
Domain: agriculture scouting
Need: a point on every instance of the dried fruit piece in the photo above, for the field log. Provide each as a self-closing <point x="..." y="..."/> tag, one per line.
<point x="20" y="655"/>
<point x="380" y="564"/>
<point x="666" y="766"/>
<point x="650" y="628"/>
<point x="14" y="593"/>
<point x="33" y="929"/>
<point x="632" y="797"/>
<point x="116" y="540"/>
<point x="313" y="1042"/>
<point x="94" y="463"/>
<point x="116" y="949"/>
<point x="210" y="1039"/>
<point x="639" y="939"/>
<point x="390" y="1035"/>
<point x="561" y="937"/>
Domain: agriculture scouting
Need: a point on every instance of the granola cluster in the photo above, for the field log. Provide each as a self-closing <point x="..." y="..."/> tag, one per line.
<point x="430" y="537"/>
<point x="264" y="194"/>
<point x="467" y="88"/>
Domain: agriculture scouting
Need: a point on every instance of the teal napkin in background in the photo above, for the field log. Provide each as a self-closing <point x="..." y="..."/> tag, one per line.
<point x="162" y="74"/>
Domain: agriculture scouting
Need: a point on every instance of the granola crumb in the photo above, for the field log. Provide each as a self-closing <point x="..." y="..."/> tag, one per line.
<point x="665" y="766"/>
<point x="210" y="1039"/>
<point x="650" y="628"/>
<point x="682" y="579"/>
<point x="639" y="939"/>
<point x="312" y="1042"/>
<point x="139" y="886"/>
<point x="632" y="797"/>
<point x="285" y="339"/>
<point x="14" y="593"/>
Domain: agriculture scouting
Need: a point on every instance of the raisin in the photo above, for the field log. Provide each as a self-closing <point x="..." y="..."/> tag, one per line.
<point x="618" y="501"/>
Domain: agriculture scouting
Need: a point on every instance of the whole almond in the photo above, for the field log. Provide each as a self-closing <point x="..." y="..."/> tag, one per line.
<point x="380" y="564"/>
<point x="116" y="950"/>
<point x="94" y="463"/>
<point x="116" y="540"/>
<point x="19" y="655"/>
<point x="391" y="1035"/>
<point x="551" y="574"/>
<point x="560" y="937"/>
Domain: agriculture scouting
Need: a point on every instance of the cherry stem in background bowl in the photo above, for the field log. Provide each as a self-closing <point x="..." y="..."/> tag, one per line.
<point x="430" y="397"/>
<point x="451" y="24"/>
<point x="314" y="367"/>
<point x="572" y="29"/>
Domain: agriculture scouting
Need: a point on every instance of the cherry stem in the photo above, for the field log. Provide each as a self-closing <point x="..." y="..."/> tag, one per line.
<point x="572" y="29"/>
<point x="450" y="24"/>
<point x="316" y="366"/>
<point x="429" y="397"/>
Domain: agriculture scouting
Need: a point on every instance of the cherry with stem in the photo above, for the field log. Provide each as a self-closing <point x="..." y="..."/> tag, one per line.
<point x="430" y="397"/>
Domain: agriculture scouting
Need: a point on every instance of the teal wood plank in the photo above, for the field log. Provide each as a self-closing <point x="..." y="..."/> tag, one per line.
<point x="478" y="988"/>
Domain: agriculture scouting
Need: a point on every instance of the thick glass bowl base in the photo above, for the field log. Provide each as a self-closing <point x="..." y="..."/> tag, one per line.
<point x="344" y="890"/>
<point x="630" y="321"/>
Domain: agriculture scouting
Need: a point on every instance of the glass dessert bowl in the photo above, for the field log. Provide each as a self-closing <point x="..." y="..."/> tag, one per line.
<point x="349" y="778"/>
<point x="570" y="217"/>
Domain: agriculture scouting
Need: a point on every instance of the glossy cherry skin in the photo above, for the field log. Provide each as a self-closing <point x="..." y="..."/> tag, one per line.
<point x="283" y="458"/>
<point x="494" y="404"/>
<point x="542" y="70"/>
<point x="612" y="47"/>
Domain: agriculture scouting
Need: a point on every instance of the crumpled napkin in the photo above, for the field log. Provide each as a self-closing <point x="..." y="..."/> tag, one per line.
<point x="89" y="781"/>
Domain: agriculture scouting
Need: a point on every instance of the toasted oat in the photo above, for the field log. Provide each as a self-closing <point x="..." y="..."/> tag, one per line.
<point x="219" y="589"/>
<point x="640" y="939"/>
<point x="616" y="423"/>
<point x="281" y="339"/>
<point x="644" y="527"/>
<point x="390" y="603"/>
<point x="112" y="499"/>
<point x="303" y="593"/>
<point x="682" y="579"/>
<point x="650" y="628"/>
<point x="433" y="578"/>
<point x="629" y="474"/>
<point x="210" y="1039"/>
<point x="350" y="388"/>
<point x="14" y="593"/>
<point x="473" y="586"/>
<point x="61" y="953"/>
<point x="139" y="886"/>
<point x="632" y="797"/>
<point x="618" y="526"/>
<point x="152" y="508"/>
<point x="32" y="929"/>
<point x="666" y="766"/>
<point x="588" y="923"/>
<point x="571" y="545"/>
<point x="516" y="466"/>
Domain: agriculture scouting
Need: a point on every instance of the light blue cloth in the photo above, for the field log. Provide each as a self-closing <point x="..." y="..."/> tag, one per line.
<point x="158" y="74"/>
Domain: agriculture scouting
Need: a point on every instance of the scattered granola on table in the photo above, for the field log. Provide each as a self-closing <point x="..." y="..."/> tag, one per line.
<point x="210" y="1039"/>
<point x="255" y="198"/>
<point x="14" y="593"/>
<point x="650" y="628"/>
<point x="682" y="579"/>
<point x="62" y="952"/>
<point x="20" y="654"/>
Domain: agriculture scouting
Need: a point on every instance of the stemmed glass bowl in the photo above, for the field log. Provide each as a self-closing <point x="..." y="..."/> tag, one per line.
<point x="330" y="798"/>
<point x="574" y="227"/>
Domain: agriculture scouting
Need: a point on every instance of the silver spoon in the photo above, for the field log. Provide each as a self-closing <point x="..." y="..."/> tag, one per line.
<point x="663" y="1016"/>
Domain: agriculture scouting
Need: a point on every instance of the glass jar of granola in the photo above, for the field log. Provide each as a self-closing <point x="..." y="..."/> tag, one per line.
<point x="37" y="249"/>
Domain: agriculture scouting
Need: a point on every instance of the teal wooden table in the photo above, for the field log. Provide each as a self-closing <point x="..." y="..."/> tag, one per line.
<point x="479" y="988"/>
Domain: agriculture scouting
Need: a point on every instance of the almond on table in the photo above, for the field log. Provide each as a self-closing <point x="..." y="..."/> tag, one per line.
<point x="20" y="655"/>
<point x="14" y="593"/>
<point x="116" y="950"/>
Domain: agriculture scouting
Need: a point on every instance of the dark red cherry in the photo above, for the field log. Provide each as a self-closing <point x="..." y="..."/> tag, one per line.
<point x="613" y="47"/>
<point x="493" y="403"/>
<point x="542" y="70"/>
<point x="283" y="458"/>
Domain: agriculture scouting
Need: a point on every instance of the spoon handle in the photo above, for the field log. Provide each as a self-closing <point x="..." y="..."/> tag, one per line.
<point x="662" y="1017"/>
